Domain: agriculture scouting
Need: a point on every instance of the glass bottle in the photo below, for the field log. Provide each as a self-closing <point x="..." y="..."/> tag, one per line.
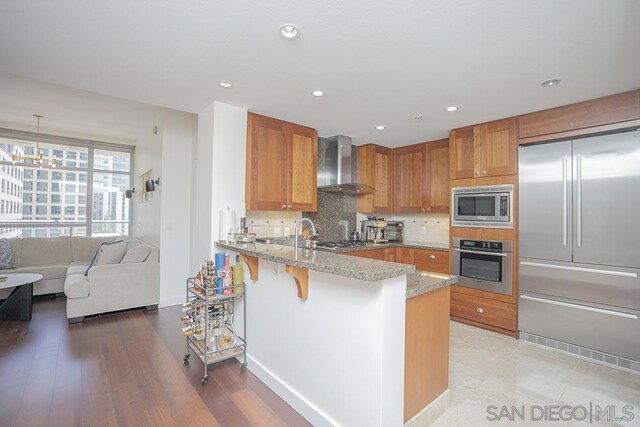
<point x="227" y="276"/>
<point x="238" y="277"/>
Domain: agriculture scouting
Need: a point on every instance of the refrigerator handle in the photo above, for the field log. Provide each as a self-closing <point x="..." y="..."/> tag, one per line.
<point x="565" y="160"/>
<point x="579" y="198"/>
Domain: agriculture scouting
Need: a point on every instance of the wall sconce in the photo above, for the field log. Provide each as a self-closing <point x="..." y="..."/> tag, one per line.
<point x="129" y="193"/>
<point x="150" y="185"/>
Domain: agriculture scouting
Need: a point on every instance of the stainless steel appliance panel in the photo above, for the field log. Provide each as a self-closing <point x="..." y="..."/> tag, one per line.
<point x="611" y="331"/>
<point x="602" y="284"/>
<point x="607" y="199"/>
<point x="545" y="177"/>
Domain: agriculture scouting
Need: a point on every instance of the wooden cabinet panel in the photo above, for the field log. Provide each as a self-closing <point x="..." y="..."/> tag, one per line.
<point x="281" y="165"/>
<point x="389" y="254"/>
<point x="410" y="191"/>
<point x="489" y="149"/>
<point x="597" y="112"/>
<point x="485" y="311"/>
<point x="302" y="194"/>
<point x="495" y="148"/>
<point x="461" y="146"/>
<point x="266" y="172"/>
<point x="376" y="168"/>
<point x="437" y="176"/>
<point x="405" y="255"/>
<point x="430" y="260"/>
<point x="378" y="254"/>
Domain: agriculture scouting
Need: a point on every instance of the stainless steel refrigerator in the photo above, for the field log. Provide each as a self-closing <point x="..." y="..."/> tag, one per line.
<point x="580" y="246"/>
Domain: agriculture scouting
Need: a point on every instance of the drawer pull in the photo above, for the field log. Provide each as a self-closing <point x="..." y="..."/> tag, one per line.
<point x="581" y="307"/>
<point x="579" y="269"/>
<point x="480" y="310"/>
<point x="432" y="257"/>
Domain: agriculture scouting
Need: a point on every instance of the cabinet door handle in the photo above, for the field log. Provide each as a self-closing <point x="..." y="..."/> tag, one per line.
<point x="477" y="173"/>
<point x="484" y="172"/>
<point x="432" y="257"/>
<point x="428" y="209"/>
<point x="289" y="207"/>
<point x="284" y="206"/>
<point x="480" y="310"/>
<point x="422" y="209"/>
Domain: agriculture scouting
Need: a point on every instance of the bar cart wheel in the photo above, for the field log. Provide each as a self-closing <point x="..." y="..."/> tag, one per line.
<point x="185" y="359"/>
<point x="244" y="366"/>
<point x="204" y="380"/>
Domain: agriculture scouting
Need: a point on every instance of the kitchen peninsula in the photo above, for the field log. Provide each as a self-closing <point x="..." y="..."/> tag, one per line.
<point x="359" y="342"/>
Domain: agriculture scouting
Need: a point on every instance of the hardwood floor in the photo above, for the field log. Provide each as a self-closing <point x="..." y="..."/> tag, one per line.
<point x="122" y="369"/>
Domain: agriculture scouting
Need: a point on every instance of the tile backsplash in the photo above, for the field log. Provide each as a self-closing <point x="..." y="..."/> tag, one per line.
<point x="272" y="223"/>
<point x="427" y="228"/>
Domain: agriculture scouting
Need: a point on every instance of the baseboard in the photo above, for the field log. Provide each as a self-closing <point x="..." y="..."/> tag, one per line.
<point x="431" y="412"/>
<point x="169" y="301"/>
<point x="305" y="408"/>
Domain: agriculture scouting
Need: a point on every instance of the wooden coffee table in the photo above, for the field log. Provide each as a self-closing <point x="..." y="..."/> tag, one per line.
<point x="18" y="305"/>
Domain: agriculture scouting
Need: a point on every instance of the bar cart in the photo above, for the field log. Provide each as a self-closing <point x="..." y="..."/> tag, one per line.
<point x="213" y="338"/>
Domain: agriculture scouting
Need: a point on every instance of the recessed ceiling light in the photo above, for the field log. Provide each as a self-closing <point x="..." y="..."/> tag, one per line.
<point x="550" y="82"/>
<point x="317" y="93"/>
<point x="451" y="108"/>
<point x="289" y="31"/>
<point x="380" y="127"/>
<point x="225" y="83"/>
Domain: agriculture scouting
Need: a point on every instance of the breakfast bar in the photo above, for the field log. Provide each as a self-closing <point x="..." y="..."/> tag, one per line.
<point x="345" y="340"/>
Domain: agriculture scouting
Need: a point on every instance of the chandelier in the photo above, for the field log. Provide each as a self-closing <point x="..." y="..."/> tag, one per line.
<point x="38" y="159"/>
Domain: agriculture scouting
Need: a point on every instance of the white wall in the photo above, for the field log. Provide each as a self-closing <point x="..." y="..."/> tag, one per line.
<point x="220" y="172"/>
<point x="166" y="220"/>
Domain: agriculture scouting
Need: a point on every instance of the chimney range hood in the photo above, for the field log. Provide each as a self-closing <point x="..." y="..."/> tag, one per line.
<point x="335" y="163"/>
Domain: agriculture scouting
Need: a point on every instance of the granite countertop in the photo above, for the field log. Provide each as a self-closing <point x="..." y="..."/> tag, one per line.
<point x="405" y="244"/>
<point x="324" y="261"/>
<point x="421" y="282"/>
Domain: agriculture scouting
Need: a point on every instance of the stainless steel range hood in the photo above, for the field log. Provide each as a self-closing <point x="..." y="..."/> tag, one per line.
<point x="337" y="167"/>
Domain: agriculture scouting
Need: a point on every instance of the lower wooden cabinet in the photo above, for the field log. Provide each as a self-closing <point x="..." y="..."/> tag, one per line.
<point x="405" y="255"/>
<point x="430" y="260"/>
<point x="378" y="254"/>
<point x="484" y="312"/>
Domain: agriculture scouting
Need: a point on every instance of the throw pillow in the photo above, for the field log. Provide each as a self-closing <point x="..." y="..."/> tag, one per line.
<point x="108" y="253"/>
<point x="138" y="253"/>
<point x="6" y="255"/>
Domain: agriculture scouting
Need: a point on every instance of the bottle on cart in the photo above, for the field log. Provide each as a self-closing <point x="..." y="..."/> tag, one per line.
<point x="219" y="257"/>
<point x="238" y="277"/>
<point x="227" y="276"/>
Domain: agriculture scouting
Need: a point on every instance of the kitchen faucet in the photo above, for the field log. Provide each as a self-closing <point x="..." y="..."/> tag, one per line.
<point x="297" y="231"/>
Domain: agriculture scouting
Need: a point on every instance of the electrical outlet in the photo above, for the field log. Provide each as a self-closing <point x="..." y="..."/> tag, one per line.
<point x="287" y="232"/>
<point x="423" y="230"/>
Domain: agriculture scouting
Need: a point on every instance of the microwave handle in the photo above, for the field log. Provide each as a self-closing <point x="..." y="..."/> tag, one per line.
<point x="466" y="251"/>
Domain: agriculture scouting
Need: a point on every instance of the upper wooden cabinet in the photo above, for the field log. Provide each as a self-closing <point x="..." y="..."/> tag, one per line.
<point x="411" y="176"/>
<point x="489" y="149"/>
<point x="376" y="168"/>
<point x="422" y="178"/>
<point x="597" y="112"/>
<point x="282" y="164"/>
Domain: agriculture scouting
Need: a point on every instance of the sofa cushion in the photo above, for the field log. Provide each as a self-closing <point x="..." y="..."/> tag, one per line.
<point x="137" y="253"/>
<point x="6" y="255"/>
<point x="108" y="253"/>
<point x="49" y="272"/>
<point x="84" y="248"/>
<point x="76" y="286"/>
<point x="40" y="251"/>
<point x="76" y="269"/>
<point x="16" y="246"/>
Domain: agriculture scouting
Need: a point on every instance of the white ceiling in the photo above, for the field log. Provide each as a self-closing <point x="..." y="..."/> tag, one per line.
<point x="379" y="61"/>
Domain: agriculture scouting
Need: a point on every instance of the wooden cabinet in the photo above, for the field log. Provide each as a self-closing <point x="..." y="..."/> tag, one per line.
<point x="430" y="260"/>
<point x="378" y="254"/>
<point x="405" y="255"/>
<point x="484" y="312"/>
<point x="437" y="176"/>
<point x="422" y="178"/>
<point x="410" y="183"/>
<point x="597" y="112"/>
<point x="282" y="161"/>
<point x="489" y="149"/>
<point x="376" y="168"/>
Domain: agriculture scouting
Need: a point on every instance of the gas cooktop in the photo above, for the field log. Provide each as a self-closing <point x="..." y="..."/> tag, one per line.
<point x="342" y="244"/>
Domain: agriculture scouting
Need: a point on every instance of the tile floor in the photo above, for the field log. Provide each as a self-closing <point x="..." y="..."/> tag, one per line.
<point x="491" y="369"/>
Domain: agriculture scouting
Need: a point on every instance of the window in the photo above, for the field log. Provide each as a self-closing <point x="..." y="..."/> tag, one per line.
<point x="47" y="194"/>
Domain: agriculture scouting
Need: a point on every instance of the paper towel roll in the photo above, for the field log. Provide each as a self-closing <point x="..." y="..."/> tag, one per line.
<point x="227" y="223"/>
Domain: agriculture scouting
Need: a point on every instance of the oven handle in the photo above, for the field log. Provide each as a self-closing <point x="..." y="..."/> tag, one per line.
<point x="466" y="251"/>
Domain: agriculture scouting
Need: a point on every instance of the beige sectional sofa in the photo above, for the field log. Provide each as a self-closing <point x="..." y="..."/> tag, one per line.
<point x="63" y="261"/>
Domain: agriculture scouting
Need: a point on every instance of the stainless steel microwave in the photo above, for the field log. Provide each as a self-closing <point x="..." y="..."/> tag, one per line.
<point x="485" y="206"/>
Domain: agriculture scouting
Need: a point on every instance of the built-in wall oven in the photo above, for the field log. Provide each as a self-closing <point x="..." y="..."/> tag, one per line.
<point x="483" y="264"/>
<point x="483" y="206"/>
